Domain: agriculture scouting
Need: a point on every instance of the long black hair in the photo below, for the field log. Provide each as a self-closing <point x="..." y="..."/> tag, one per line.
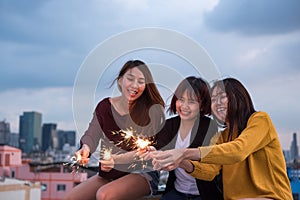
<point x="240" y="105"/>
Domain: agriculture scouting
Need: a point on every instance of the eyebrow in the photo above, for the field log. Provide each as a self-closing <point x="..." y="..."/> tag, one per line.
<point x="129" y="74"/>
<point x="218" y="94"/>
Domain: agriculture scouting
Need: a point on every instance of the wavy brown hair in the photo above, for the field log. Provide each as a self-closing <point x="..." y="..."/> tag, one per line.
<point x="142" y="110"/>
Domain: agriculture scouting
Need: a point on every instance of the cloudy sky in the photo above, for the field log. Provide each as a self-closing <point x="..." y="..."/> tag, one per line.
<point x="43" y="45"/>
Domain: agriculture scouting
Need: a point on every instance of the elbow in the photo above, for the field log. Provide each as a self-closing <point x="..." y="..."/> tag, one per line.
<point x="238" y="158"/>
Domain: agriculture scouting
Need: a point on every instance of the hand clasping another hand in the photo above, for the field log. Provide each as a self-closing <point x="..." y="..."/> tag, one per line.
<point x="167" y="160"/>
<point x="145" y="154"/>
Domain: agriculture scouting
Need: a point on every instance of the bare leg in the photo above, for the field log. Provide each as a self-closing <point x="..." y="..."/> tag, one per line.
<point x="131" y="186"/>
<point x="87" y="189"/>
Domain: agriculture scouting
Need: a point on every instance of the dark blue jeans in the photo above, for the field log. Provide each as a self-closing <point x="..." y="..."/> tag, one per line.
<point x="175" y="195"/>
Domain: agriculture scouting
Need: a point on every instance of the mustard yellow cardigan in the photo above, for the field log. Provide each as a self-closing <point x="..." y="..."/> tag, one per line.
<point x="253" y="164"/>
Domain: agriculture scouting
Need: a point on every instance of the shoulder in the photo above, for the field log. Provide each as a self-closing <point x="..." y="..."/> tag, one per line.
<point x="104" y="104"/>
<point x="175" y="119"/>
<point x="259" y="114"/>
<point x="172" y="123"/>
<point x="260" y="118"/>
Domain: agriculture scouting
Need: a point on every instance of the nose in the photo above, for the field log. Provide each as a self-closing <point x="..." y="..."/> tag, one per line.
<point x="218" y="100"/>
<point x="184" y="104"/>
<point x="135" y="84"/>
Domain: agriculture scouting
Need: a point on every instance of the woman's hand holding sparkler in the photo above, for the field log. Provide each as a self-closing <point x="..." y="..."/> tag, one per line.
<point x="108" y="160"/>
<point x="145" y="153"/>
<point x="107" y="164"/>
<point x="82" y="155"/>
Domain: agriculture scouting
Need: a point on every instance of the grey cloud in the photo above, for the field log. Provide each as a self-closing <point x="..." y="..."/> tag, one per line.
<point x="16" y="19"/>
<point x="22" y="7"/>
<point x="41" y="45"/>
<point x="255" y="17"/>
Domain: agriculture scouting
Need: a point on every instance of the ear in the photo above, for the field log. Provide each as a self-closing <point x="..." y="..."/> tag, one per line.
<point x="119" y="82"/>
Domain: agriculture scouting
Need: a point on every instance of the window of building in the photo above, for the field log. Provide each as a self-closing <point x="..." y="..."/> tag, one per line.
<point x="61" y="187"/>
<point x="13" y="174"/>
<point x="44" y="187"/>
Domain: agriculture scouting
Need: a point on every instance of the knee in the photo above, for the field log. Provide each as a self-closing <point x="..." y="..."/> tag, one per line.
<point x="103" y="194"/>
<point x="72" y="195"/>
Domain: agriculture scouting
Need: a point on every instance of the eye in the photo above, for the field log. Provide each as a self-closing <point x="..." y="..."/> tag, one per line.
<point x="141" y="82"/>
<point x="191" y="101"/>
<point x="129" y="78"/>
<point x="181" y="100"/>
<point x="223" y="97"/>
<point x="213" y="100"/>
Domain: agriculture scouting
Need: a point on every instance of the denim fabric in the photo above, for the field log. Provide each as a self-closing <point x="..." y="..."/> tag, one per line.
<point x="153" y="181"/>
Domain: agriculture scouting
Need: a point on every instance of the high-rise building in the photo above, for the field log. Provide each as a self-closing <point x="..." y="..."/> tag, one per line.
<point x="30" y="131"/>
<point x="65" y="137"/>
<point x="14" y="140"/>
<point x="294" y="151"/>
<point x="4" y="132"/>
<point x="49" y="136"/>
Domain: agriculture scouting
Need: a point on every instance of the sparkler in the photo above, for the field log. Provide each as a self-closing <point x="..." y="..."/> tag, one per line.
<point x="127" y="135"/>
<point x="137" y="142"/>
<point x="142" y="143"/>
<point x="75" y="163"/>
<point x="130" y="136"/>
<point x="105" y="153"/>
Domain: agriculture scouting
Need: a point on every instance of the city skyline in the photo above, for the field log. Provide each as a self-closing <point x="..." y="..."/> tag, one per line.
<point x="34" y="135"/>
<point x="294" y="135"/>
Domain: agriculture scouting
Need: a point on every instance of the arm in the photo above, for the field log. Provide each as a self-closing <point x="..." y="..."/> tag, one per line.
<point x="193" y="167"/>
<point x="171" y="159"/>
<point x="124" y="158"/>
<point x="175" y="156"/>
<point x="89" y="141"/>
<point x="92" y="135"/>
<point x="203" y="171"/>
<point x="200" y="170"/>
<point x="187" y="166"/>
<point x="254" y="137"/>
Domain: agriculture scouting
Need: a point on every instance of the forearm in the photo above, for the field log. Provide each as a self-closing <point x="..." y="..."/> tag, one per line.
<point x="124" y="158"/>
<point x="204" y="171"/>
<point x="187" y="166"/>
<point x="191" y="154"/>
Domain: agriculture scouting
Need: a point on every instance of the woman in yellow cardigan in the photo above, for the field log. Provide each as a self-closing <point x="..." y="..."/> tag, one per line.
<point x="247" y="151"/>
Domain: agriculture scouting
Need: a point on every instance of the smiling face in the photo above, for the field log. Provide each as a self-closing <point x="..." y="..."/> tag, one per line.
<point x="219" y="104"/>
<point x="132" y="84"/>
<point x="187" y="106"/>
